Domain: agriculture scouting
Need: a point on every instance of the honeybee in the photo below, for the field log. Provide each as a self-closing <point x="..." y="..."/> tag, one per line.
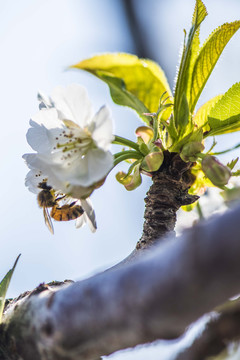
<point x="66" y="212"/>
<point x="46" y="199"/>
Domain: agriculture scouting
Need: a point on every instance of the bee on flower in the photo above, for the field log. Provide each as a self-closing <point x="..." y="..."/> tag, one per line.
<point x="72" y="156"/>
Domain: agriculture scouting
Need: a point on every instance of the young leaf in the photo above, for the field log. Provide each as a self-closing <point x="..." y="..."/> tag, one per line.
<point x="142" y="78"/>
<point x="232" y="164"/>
<point x="236" y="173"/>
<point x="183" y="115"/>
<point x="208" y="56"/>
<point x="193" y="136"/>
<point x="186" y="65"/>
<point x="189" y="207"/>
<point x="201" y="117"/>
<point x="121" y="96"/>
<point x="199" y="14"/>
<point x="224" y="117"/>
<point x="4" y="286"/>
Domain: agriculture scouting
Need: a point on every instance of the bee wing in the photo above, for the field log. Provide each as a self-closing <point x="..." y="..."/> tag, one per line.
<point x="48" y="220"/>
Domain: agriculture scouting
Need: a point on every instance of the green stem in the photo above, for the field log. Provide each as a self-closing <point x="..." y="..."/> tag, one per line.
<point x="122" y="141"/>
<point x="155" y="128"/>
<point x="213" y="145"/>
<point x="126" y="155"/>
<point x="200" y="155"/>
<point x="199" y="210"/>
<point x="225" y="151"/>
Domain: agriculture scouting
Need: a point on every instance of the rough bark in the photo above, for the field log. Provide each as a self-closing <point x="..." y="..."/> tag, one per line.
<point x="167" y="194"/>
<point x="154" y="297"/>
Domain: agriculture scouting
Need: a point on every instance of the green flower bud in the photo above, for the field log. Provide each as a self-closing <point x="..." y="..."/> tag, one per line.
<point x="152" y="161"/>
<point x="190" y="150"/>
<point x="145" y="132"/>
<point x="144" y="149"/>
<point x="130" y="182"/>
<point x="218" y="173"/>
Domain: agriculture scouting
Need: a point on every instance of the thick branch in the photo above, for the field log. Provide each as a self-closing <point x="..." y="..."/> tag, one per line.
<point x="155" y="297"/>
<point x="167" y="194"/>
<point x="221" y="329"/>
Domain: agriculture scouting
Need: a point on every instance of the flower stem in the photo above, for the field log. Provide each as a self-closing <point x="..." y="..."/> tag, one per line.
<point x="227" y="150"/>
<point x="122" y="141"/>
<point x="155" y="128"/>
<point x="124" y="155"/>
<point x="199" y="211"/>
<point x="200" y="155"/>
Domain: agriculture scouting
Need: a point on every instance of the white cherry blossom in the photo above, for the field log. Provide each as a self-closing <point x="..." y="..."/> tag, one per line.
<point x="70" y="140"/>
<point x="71" y="146"/>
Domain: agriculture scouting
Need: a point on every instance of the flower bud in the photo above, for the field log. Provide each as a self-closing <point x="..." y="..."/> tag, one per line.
<point x="152" y="161"/>
<point x="190" y="150"/>
<point x="145" y="132"/>
<point x="143" y="147"/>
<point x="130" y="182"/>
<point x="218" y="173"/>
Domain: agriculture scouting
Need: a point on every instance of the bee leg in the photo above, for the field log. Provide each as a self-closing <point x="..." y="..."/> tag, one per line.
<point x="60" y="198"/>
<point x="72" y="204"/>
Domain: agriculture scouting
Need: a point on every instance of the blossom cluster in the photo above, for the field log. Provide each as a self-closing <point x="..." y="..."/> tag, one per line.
<point x="71" y="146"/>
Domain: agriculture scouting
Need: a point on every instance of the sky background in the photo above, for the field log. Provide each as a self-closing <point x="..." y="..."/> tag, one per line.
<point x="39" y="39"/>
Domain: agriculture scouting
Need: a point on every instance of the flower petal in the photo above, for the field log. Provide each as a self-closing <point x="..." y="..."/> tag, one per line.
<point x="88" y="170"/>
<point x="77" y="170"/>
<point x="32" y="180"/>
<point x="45" y="128"/>
<point x="73" y="104"/>
<point x="36" y="163"/>
<point x="103" y="131"/>
<point x="88" y="214"/>
<point x="49" y="118"/>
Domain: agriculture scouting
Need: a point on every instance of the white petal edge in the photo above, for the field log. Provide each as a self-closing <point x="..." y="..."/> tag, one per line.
<point x="73" y="104"/>
<point x="89" y="213"/>
<point x="103" y="130"/>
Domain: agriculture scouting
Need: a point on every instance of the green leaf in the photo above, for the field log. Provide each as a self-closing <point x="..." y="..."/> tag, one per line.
<point x="194" y="53"/>
<point x="183" y="113"/>
<point x="4" y="286"/>
<point x="224" y="117"/>
<point x="201" y="117"/>
<point x="189" y="55"/>
<point x="189" y="207"/>
<point x="199" y="14"/>
<point x="208" y="56"/>
<point x="121" y="96"/>
<point x="143" y="78"/>
<point x="194" y="136"/>
<point x="130" y="182"/>
<point x="232" y="164"/>
<point x="236" y="173"/>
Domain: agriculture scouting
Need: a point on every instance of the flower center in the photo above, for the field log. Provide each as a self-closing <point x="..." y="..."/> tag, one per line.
<point x="74" y="141"/>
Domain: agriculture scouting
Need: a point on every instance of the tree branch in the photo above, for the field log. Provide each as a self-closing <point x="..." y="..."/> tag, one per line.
<point x="221" y="329"/>
<point x="166" y="195"/>
<point x="155" y="297"/>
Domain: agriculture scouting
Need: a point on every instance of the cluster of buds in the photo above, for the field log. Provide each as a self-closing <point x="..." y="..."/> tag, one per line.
<point x="150" y="161"/>
<point x="215" y="171"/>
